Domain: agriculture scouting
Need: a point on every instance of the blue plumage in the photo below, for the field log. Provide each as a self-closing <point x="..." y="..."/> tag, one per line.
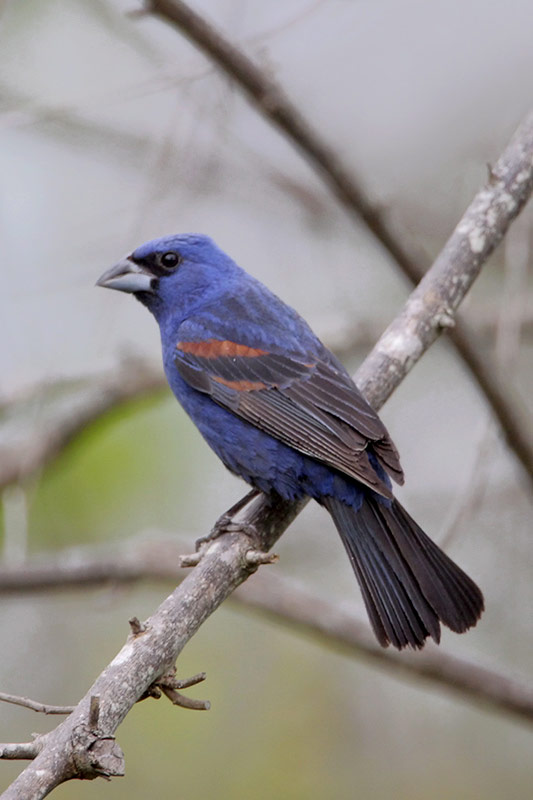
<point x="282" y="413"/>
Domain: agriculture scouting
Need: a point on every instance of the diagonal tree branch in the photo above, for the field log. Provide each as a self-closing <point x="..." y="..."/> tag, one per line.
<point x="284" y="601"/>
<point x="83" y="747"/>
<point x="481" y="237"/>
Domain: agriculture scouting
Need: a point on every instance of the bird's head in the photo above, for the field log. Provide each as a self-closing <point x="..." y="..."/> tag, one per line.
<point x="173" y="273"/>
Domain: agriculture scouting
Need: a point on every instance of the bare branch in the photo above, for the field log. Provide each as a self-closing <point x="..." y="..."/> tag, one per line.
<point x="33" y="705"/>
<point x="482" y="227"/>
<point x="178" y="699"/>
<point x="169" y="685"/>
<point x="290" y="604"/>
<point x="73" y="749"/>
<point x="20" y="750"/>
<point x="194" y="680"/>
<point x="27" y="454"/>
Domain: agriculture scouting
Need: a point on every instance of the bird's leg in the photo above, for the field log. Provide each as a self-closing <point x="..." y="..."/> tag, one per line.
<point x="226" y="519"/>
<point x="225" y="524"/>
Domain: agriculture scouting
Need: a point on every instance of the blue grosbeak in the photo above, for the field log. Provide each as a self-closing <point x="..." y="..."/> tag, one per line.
<point x="282" y="412"/>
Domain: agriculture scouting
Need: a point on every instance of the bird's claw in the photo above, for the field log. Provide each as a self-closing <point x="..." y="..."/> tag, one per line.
<point x="220" y="527"/>
<point x="225" y="524"/>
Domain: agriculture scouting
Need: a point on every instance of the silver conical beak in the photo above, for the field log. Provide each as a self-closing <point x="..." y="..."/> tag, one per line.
<point x="126" y="276"/>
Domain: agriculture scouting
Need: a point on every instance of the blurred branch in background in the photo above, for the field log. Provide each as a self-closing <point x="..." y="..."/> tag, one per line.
<point x="480" y="236"/>
<point x="82" y="747"/>
<point x="69" y="407"/>
<point x="280" y="599"/>
<point x="20" y="111"/>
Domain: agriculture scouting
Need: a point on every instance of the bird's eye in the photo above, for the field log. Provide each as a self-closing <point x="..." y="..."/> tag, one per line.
<point x="169" y="260"/>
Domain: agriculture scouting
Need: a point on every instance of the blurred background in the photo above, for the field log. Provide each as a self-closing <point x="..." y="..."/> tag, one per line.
<point x="114" y="130"/>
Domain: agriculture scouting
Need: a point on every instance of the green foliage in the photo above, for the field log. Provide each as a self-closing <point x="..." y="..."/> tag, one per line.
<point x="128" y="471"/>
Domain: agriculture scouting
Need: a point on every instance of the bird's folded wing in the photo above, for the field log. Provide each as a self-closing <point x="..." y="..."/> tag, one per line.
<point x="305" y="401"/>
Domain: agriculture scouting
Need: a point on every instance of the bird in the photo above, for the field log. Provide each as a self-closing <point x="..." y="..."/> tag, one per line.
<point x="282" y="412"/>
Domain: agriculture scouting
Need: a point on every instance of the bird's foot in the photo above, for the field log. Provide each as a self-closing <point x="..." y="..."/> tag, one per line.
<point x="225" y="524"/>
<point x="254" y="557"/>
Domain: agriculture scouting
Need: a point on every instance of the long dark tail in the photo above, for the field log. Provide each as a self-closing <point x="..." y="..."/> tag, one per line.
<point x="409" y="585"/>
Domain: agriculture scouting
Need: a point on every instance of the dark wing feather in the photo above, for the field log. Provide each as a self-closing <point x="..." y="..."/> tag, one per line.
<point x="313" y="406"/>
<point x="275" y="413"/>
<point x="332" y="390"/>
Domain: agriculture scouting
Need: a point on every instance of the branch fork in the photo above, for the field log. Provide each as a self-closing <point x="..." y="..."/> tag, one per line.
<point x="169" y="685"/>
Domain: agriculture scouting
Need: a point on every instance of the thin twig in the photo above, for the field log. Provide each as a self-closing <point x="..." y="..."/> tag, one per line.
<point x="33" y="705"/>
<point x="170" y="685"/>
<point x="480" y="233"/>
<point x="178" y="699"/>
<point x="194" y="680"/>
